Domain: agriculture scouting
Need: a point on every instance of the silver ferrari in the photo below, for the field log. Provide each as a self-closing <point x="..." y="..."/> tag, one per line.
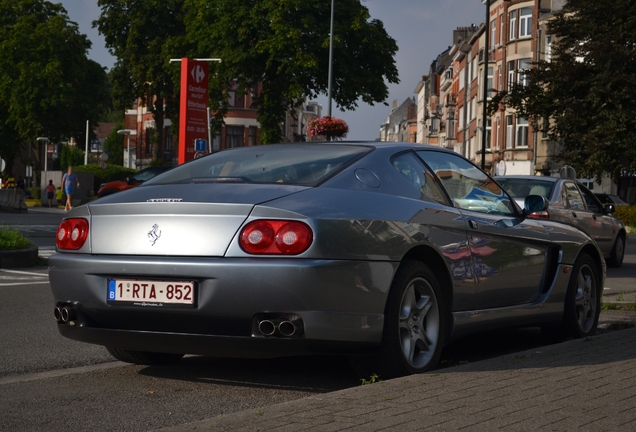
<point x="383" y="251"/>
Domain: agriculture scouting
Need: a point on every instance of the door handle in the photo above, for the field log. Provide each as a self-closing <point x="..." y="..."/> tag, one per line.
<point x="473" y="224"/>
<point x="573" y="214"/>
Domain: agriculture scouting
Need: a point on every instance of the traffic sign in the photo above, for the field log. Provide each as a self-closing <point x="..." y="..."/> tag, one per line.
<point x="200" y="145"/>
<point x="103" y="165"/>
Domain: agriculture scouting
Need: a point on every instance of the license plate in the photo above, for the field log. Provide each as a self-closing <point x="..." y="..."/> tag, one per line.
<point x="148" y="293"/>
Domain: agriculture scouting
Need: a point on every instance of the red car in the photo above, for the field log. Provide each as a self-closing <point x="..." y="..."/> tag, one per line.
<point x="130" y="182"/>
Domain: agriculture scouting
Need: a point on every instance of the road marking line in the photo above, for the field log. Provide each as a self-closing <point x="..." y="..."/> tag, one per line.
<point x="24" y="283"/>
<point x="21" y="272"/>
<point x="61" y="372"/>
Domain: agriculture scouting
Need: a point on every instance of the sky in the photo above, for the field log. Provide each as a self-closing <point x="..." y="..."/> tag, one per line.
<point x="421" y="28"/>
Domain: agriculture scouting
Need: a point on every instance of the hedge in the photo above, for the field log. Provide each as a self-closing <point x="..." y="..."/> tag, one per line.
<point x="100" y="175"/>
<point x="627" y="214"/>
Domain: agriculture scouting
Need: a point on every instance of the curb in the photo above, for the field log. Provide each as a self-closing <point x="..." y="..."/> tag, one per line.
<point x="19" y="258"/>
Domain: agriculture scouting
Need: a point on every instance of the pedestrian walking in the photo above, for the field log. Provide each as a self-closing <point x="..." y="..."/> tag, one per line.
<point x="50" y="192"/>
<point x="70" y="182"/>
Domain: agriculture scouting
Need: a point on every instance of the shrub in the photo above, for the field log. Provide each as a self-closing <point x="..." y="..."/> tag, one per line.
<point x="627" y="214"/>
<point x="100" y="175"/>
<point x="11" y="239"/>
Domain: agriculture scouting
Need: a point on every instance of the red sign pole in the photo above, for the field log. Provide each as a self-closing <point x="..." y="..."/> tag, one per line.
<point x="193" y="120"/>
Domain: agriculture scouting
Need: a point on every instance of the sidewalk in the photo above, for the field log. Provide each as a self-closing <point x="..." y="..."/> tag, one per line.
<point x="584" y="384"/>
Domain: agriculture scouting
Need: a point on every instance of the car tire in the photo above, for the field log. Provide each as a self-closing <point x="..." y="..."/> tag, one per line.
<point x="583" y="299"/>
<point x="618" y="252"/>
<point x="144" y="357"/>
<point x="415" y="322"/>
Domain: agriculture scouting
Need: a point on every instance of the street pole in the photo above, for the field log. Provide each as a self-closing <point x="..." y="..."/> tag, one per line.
<point x="86" y="154"/>
<point x="484" y="132"/>
<point x="126" y="132"/>
<point x="46" y="151"/>
<point x="330" y="78"/>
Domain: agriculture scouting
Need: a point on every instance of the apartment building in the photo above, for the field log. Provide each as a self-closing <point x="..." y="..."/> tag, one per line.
<point x="401" y="123"/>
<point x="451" y="96"/>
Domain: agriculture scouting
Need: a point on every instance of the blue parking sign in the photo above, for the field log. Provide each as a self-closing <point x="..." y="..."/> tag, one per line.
<point x="200" y="145"/>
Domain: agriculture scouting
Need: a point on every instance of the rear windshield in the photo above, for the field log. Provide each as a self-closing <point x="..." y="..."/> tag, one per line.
<point x="521" y="188"/>
<point x="294" y="164"/>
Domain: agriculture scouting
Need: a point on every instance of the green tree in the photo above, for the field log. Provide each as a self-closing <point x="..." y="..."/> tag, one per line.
<point x="588" y="88"/>
<point x="114" y="145"/>
<point x="48" y="86"/>
<point x="71" y="156"/>
<point x="283" y="46"/>
<point x="138" y="34"/>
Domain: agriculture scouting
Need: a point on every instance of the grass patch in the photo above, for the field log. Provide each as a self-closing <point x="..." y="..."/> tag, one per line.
<point x="11" y="239"/>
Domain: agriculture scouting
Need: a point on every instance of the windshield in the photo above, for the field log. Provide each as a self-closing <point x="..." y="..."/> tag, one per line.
<point x="293" y="164"/>
<point x="521" y="188"/>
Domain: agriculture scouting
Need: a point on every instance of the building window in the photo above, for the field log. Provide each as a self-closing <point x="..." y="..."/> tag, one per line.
<point x="234" y="136"/>
<point x="490" y="86"/>
<point x="513" y="24"/>
<point x="501" y="29"/>
<point x="234" y="98"/>
<point x="522" y="132"/>
<point x="251" y="137"/>
<point x="523" y="66"/>
<point x="493" y="35"/>
<point x="499" y="78"/>
<point x="525" y="22"/>
<point x="548" y="48"/>
<point x="488" y="133"/>
<point x="508" y="131"/>
<point x="511" y="75"/>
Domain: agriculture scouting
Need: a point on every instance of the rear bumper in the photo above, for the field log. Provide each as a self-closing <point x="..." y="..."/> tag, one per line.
<point x="341" y="304"/>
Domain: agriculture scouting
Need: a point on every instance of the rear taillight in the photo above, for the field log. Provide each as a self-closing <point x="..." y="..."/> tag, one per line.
<point x="276" y="237"/>
<point x="540" y="215"/>
<point x="72" y="234"/>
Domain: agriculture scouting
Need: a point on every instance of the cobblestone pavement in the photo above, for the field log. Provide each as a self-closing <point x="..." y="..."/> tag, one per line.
<point x="583" y="384"/>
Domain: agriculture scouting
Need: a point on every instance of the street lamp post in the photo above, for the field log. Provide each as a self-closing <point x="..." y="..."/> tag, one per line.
<point x="330" y="78"/>
<point x="126" y="132"/>
<point x="46" y="151"/>
<point x="484" y="132"/>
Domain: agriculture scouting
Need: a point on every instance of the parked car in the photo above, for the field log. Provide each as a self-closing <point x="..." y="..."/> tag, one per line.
<point x="383" y="251"/>
<point x="574" y="204"/>
<point x="130" y="182"/>
<point x="610" y="199"/>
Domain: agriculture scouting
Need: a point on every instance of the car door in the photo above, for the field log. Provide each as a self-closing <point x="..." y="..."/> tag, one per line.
<point x="597" y="224"/>
<point x="509" y="252"/>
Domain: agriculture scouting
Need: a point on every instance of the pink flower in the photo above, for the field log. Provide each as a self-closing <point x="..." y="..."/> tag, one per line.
<point x="327" y="126"/>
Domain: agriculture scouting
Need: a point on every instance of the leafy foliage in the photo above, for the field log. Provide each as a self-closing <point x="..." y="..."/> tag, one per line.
<point x="282" y="47"/>
<point x="48" y="86"/>
<point x="588" y="89"/>
<point x="100" y="175"/>
<point x="140" y="34"/>
<point x="12" y="239"/>
<point x="114" y="145"/>
<point x="627" y="214"/>
<point x="71" y="156"/>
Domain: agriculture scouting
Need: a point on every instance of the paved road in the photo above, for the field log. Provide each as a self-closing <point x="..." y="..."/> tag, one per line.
<point x="51" y="383"/>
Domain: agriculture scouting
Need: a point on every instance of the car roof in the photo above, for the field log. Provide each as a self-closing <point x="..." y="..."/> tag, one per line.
<point x="530" y="177"/>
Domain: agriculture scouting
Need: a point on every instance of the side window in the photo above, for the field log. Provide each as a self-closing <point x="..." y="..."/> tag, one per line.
<point x="419" y="176"/>
<point x="575" y="200"/>
<point x="468" y="187"/>
<point x="590" y="200"/>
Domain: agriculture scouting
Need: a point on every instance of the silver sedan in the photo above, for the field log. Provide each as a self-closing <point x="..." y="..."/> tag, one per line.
<point x="384" y="251"/>
<point x="574" y="204"/>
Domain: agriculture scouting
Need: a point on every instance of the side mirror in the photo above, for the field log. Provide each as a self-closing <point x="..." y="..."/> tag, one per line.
<point x="609" y="208"/>
<point x="535" y="204"/>
<point x="128" y="180"/>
